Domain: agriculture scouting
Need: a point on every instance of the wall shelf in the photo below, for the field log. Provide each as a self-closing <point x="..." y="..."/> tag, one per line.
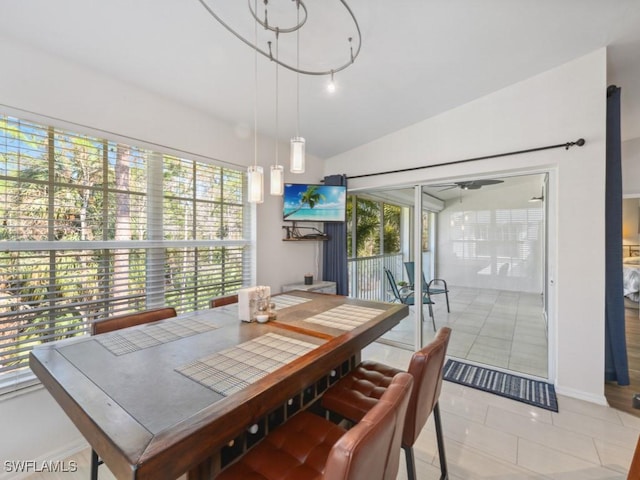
<point x="305" y="239"/>
<point x="294" y="234"/>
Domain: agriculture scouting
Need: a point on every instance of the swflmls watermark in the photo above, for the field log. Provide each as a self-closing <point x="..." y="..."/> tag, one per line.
<point x="35" y="466"/>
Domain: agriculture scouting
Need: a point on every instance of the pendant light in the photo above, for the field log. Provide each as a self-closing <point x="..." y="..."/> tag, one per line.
<point x="255" y="172"/>
<point x="297" y="142"/>
<point x="277" y="171"/>
<point x="256" y="193"/>
<point x="323" y="65"/>
<point x="277" y="180"/>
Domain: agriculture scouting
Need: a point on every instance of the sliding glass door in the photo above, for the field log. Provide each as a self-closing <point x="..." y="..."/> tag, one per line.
<point x="488" y="243"/>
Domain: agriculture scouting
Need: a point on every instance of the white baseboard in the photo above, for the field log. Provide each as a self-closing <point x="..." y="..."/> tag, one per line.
<point x="580" y="395"/>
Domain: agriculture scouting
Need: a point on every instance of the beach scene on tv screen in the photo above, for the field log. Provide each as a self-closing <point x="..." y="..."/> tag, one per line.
<point x="314" y="203"/>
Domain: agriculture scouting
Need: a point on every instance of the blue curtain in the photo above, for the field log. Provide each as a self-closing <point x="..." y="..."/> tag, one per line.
<point x="334" y="258"/>
<point x="616" y="367"/>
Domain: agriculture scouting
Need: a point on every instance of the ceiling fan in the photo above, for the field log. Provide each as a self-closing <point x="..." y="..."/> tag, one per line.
<point x="467" y="185"/>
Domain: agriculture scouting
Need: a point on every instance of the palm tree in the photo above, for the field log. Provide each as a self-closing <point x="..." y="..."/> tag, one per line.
<point x="367" y="229"/>
<point x="310" y="197"/>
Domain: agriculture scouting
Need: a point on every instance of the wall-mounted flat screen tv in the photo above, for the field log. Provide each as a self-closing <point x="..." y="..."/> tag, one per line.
<point x="305" y="202"/>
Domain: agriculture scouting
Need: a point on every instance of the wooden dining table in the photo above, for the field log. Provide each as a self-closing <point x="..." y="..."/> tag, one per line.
<point x="191" y="393"/>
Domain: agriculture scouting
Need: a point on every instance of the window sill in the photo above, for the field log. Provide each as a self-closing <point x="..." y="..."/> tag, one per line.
<point x="18" y="384"/>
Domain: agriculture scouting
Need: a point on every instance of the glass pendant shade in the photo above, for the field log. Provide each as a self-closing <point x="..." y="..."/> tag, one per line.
<point x="277" y="180"/>
<point x="255" y="182"/>
<point x="297" y="155"/>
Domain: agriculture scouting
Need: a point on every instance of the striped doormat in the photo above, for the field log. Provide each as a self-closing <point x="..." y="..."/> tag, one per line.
<point x="533" y="392"/>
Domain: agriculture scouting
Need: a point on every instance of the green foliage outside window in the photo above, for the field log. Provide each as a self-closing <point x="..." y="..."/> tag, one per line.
<point x="371" y="216"/>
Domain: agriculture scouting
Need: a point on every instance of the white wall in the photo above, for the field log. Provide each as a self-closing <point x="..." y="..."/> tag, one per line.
<point x="475" y="250"/>
<point x="67" y="95"/>
<point x="558" y="106"/>
<point x="35" y="428"/>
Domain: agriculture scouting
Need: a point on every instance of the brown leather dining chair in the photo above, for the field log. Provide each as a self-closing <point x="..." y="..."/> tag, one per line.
<point x="131" y="319"/>
<point x="307" y="446"/>
<point x="221" y="301"/>
<point x="634" y="469"/>
<point x="116" y="323"/>
<point x="353" y="395"/>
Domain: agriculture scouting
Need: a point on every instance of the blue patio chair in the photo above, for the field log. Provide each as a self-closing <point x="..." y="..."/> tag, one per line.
<point x="408" y="297"/>
<point x="434" y="287"/>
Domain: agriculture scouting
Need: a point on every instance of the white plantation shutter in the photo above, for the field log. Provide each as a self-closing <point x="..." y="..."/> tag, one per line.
<point x="91" y="228"/>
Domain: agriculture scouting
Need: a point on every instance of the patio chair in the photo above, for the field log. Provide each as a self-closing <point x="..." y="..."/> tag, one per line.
<point x="408" y="297"/>
<point x="434" y="287"/>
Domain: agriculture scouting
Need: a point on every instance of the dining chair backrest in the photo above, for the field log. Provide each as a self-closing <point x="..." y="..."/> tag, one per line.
<point x="371" y="449"/>
<point x="394" y="285"/>
<point x="131" y="319"/>
<point x="116" y="323"/>
<point x="634" y="469"/>
<point x="426" y="367"/>
<point x="225" y="300"/>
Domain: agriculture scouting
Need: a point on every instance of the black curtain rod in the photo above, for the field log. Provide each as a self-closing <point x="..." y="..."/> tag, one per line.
<point x="580" y="142"/>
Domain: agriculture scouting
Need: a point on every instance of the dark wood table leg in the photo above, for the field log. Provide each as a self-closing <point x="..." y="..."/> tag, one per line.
<point x="207" y="470"/>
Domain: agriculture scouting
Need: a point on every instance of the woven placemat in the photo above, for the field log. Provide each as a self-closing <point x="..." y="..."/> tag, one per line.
<point x="122" y="342"/>
<point x="284" y="301"/>
<point x="345" y="317"/>
<point x="235" y="368"/>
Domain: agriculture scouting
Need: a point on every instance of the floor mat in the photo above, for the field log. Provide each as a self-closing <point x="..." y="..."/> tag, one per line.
<point x="533" y="392"/>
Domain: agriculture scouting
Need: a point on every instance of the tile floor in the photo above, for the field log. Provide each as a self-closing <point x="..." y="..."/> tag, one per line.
<point x="488" y="437"/>
<point x="493" y="327"/>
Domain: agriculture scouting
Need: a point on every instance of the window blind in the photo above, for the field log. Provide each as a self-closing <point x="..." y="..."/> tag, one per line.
<point x="91" y="228"/>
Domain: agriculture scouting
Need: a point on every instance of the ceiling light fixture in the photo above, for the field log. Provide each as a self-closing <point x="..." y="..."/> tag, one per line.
<point x="281" y="22"/>
<point x="301" y="21"/>
<point x="277" y="171"/>
<point x="254" y="172"/>
<point x="331" y="86"/>
<point x="297" y="142"/>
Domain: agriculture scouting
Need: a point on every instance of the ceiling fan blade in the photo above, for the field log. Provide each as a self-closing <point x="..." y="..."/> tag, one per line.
<point x="466" y="185"/>
<point x="445" y="187"/>
<point x="476" y="184"/>
<point x="482" y="183"/>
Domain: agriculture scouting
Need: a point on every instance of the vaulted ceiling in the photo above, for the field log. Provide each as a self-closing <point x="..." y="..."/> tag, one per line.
<point x="418" y="58"/>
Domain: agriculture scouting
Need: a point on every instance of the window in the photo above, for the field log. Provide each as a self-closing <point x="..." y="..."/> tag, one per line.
<point x="501" y="242"/>
<point x="91" y="228"/>
<point x="377" y="227"/>
<point x="392" y="215"/>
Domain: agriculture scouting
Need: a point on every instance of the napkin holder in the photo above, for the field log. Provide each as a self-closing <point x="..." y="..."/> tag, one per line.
<point x="248" y="302"/>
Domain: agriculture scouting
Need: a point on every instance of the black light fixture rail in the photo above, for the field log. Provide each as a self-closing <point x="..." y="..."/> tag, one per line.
<point x="580" y="142"/>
